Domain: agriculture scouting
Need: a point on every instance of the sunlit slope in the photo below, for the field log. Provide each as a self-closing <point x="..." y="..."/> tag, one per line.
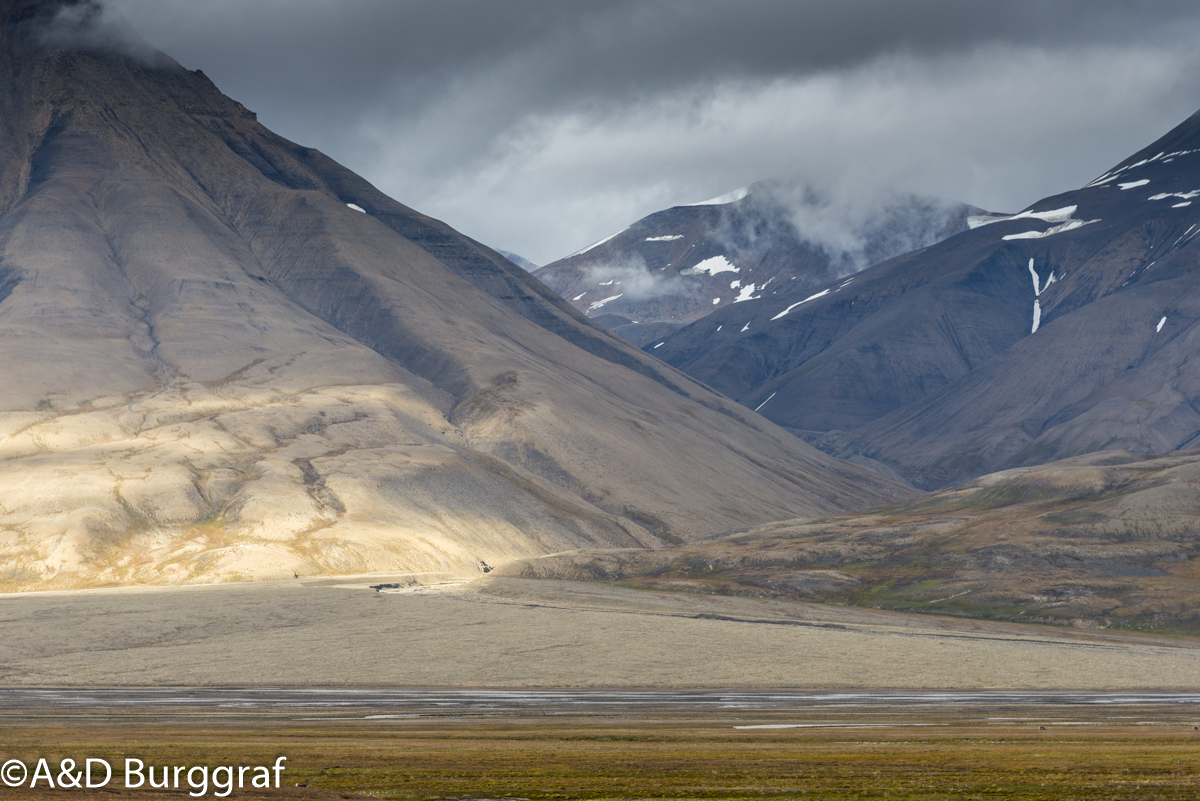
<point x="226" y="356"/>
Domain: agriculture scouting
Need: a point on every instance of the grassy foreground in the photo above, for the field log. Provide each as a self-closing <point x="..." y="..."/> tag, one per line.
<point x="677" y="757"/>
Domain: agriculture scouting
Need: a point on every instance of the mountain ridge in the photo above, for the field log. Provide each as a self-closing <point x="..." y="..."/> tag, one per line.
<point x="678" y="265"/>
<point x="973" y="355"/>
<point x="232" y="358"/>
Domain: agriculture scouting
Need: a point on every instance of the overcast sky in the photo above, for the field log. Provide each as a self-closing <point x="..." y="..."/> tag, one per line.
<point x="539" y="126"/>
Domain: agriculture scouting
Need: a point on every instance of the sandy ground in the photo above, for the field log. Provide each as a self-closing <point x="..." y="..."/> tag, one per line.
<point x="503" y="632"/>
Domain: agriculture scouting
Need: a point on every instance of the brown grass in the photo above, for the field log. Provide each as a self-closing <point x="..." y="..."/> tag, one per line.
<point x="1150" y="755"/>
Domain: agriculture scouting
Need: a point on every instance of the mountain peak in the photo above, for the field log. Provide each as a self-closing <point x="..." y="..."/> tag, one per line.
<point x="18" y="11"/>
<point x="72" y="25"/>
<point x="226" y="336"/>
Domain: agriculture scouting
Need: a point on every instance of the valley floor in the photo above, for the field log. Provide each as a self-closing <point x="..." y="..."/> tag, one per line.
<point x="505" y="632"/>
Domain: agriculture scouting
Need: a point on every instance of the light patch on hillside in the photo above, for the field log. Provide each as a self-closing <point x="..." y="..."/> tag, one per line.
<point x="784" y="313"/>
<point x="711" y="266"/>
<point x="722" y="200"/>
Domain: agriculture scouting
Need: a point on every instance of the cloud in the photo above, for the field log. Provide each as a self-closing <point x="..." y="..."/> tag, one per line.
<point x="86" y="25"/>
<point x="540" y="126"/>
<point x="854" y="229"/>
<point x="998" y="128"/>
<point x="636" y="282"/>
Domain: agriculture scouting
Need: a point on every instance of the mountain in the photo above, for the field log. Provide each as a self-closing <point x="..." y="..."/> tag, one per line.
<point x="228" y="357"/>
<point x="1067" y="328"/>
<point x="519" y="260"/>
<point x="679" y="265"/>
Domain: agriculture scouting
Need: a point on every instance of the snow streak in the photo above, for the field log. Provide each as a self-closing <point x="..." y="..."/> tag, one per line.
<point x="783" y="313"/>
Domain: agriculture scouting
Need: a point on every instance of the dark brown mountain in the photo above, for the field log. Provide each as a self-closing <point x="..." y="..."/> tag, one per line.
<point x="225" y="356"/>
<point x="1062" y="330"/>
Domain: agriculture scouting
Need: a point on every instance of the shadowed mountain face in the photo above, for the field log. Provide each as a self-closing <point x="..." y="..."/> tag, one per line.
<point x="1065" y="329"/>
<point x="774" y="237"/>
<point x="226" y="356"/>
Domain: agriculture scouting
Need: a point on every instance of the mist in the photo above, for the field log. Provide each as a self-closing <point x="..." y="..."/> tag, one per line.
<point x="89" y="26"/>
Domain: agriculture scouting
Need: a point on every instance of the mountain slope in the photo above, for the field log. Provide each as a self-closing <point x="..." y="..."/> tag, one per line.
<point x="678" y="265"/>
<point x="519" y="260"/>
<point x="1098" y="541"/>
<point x="1065" y="329"/>
<point x="230" y="357"/>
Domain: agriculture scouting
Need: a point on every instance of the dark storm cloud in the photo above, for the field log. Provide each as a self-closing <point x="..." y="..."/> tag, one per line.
<point x="538" y="124"/>
<point x="362" y="49"/>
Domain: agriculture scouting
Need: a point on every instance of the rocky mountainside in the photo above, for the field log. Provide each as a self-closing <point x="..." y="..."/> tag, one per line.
<point x="226" y="357"/>
<point x="1068" y="328"/>
<point x="679" y="265"/>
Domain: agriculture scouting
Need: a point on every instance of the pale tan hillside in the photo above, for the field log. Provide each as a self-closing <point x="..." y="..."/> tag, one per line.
<point x="225" y="356"/>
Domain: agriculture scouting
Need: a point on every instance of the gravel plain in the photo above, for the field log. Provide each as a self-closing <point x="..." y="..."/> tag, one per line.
<point x="504" y="632"/>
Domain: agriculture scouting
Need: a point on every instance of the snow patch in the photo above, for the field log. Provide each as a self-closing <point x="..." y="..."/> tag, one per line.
<point x="1187" y="235"/>
<point x="579" y="297"/>
<point x="1161" y="323"/>
<point x="764" y="403"/>
<point x="721" y="200"/>
<point x="1057" y="229"/>
<point x="609" y="282"/>
<point x="1164" y="157"/>
<point x="716" y="301"/>
<point x="668" y="238"/>
<point x="1037" y="290"/>
<point x="1053" y="215"/>
<point x="744" y="327"/>
<point x="1181" y="205"/>
<point x="1180" y="195"/>
<point x="600" y="303"/>
<point x="746" y="293"/>
<point x="356" y="207"/>
<point x="783" y="313"/>
<point x="719" y="327"/>
<point x="711" y="266"/>
<point x="736" y="283"/>
<point x="980" y="220"/>
<point x="659" y="345"/>
<point x="1037" y="282"/>
<point x="1133" y="184"/>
